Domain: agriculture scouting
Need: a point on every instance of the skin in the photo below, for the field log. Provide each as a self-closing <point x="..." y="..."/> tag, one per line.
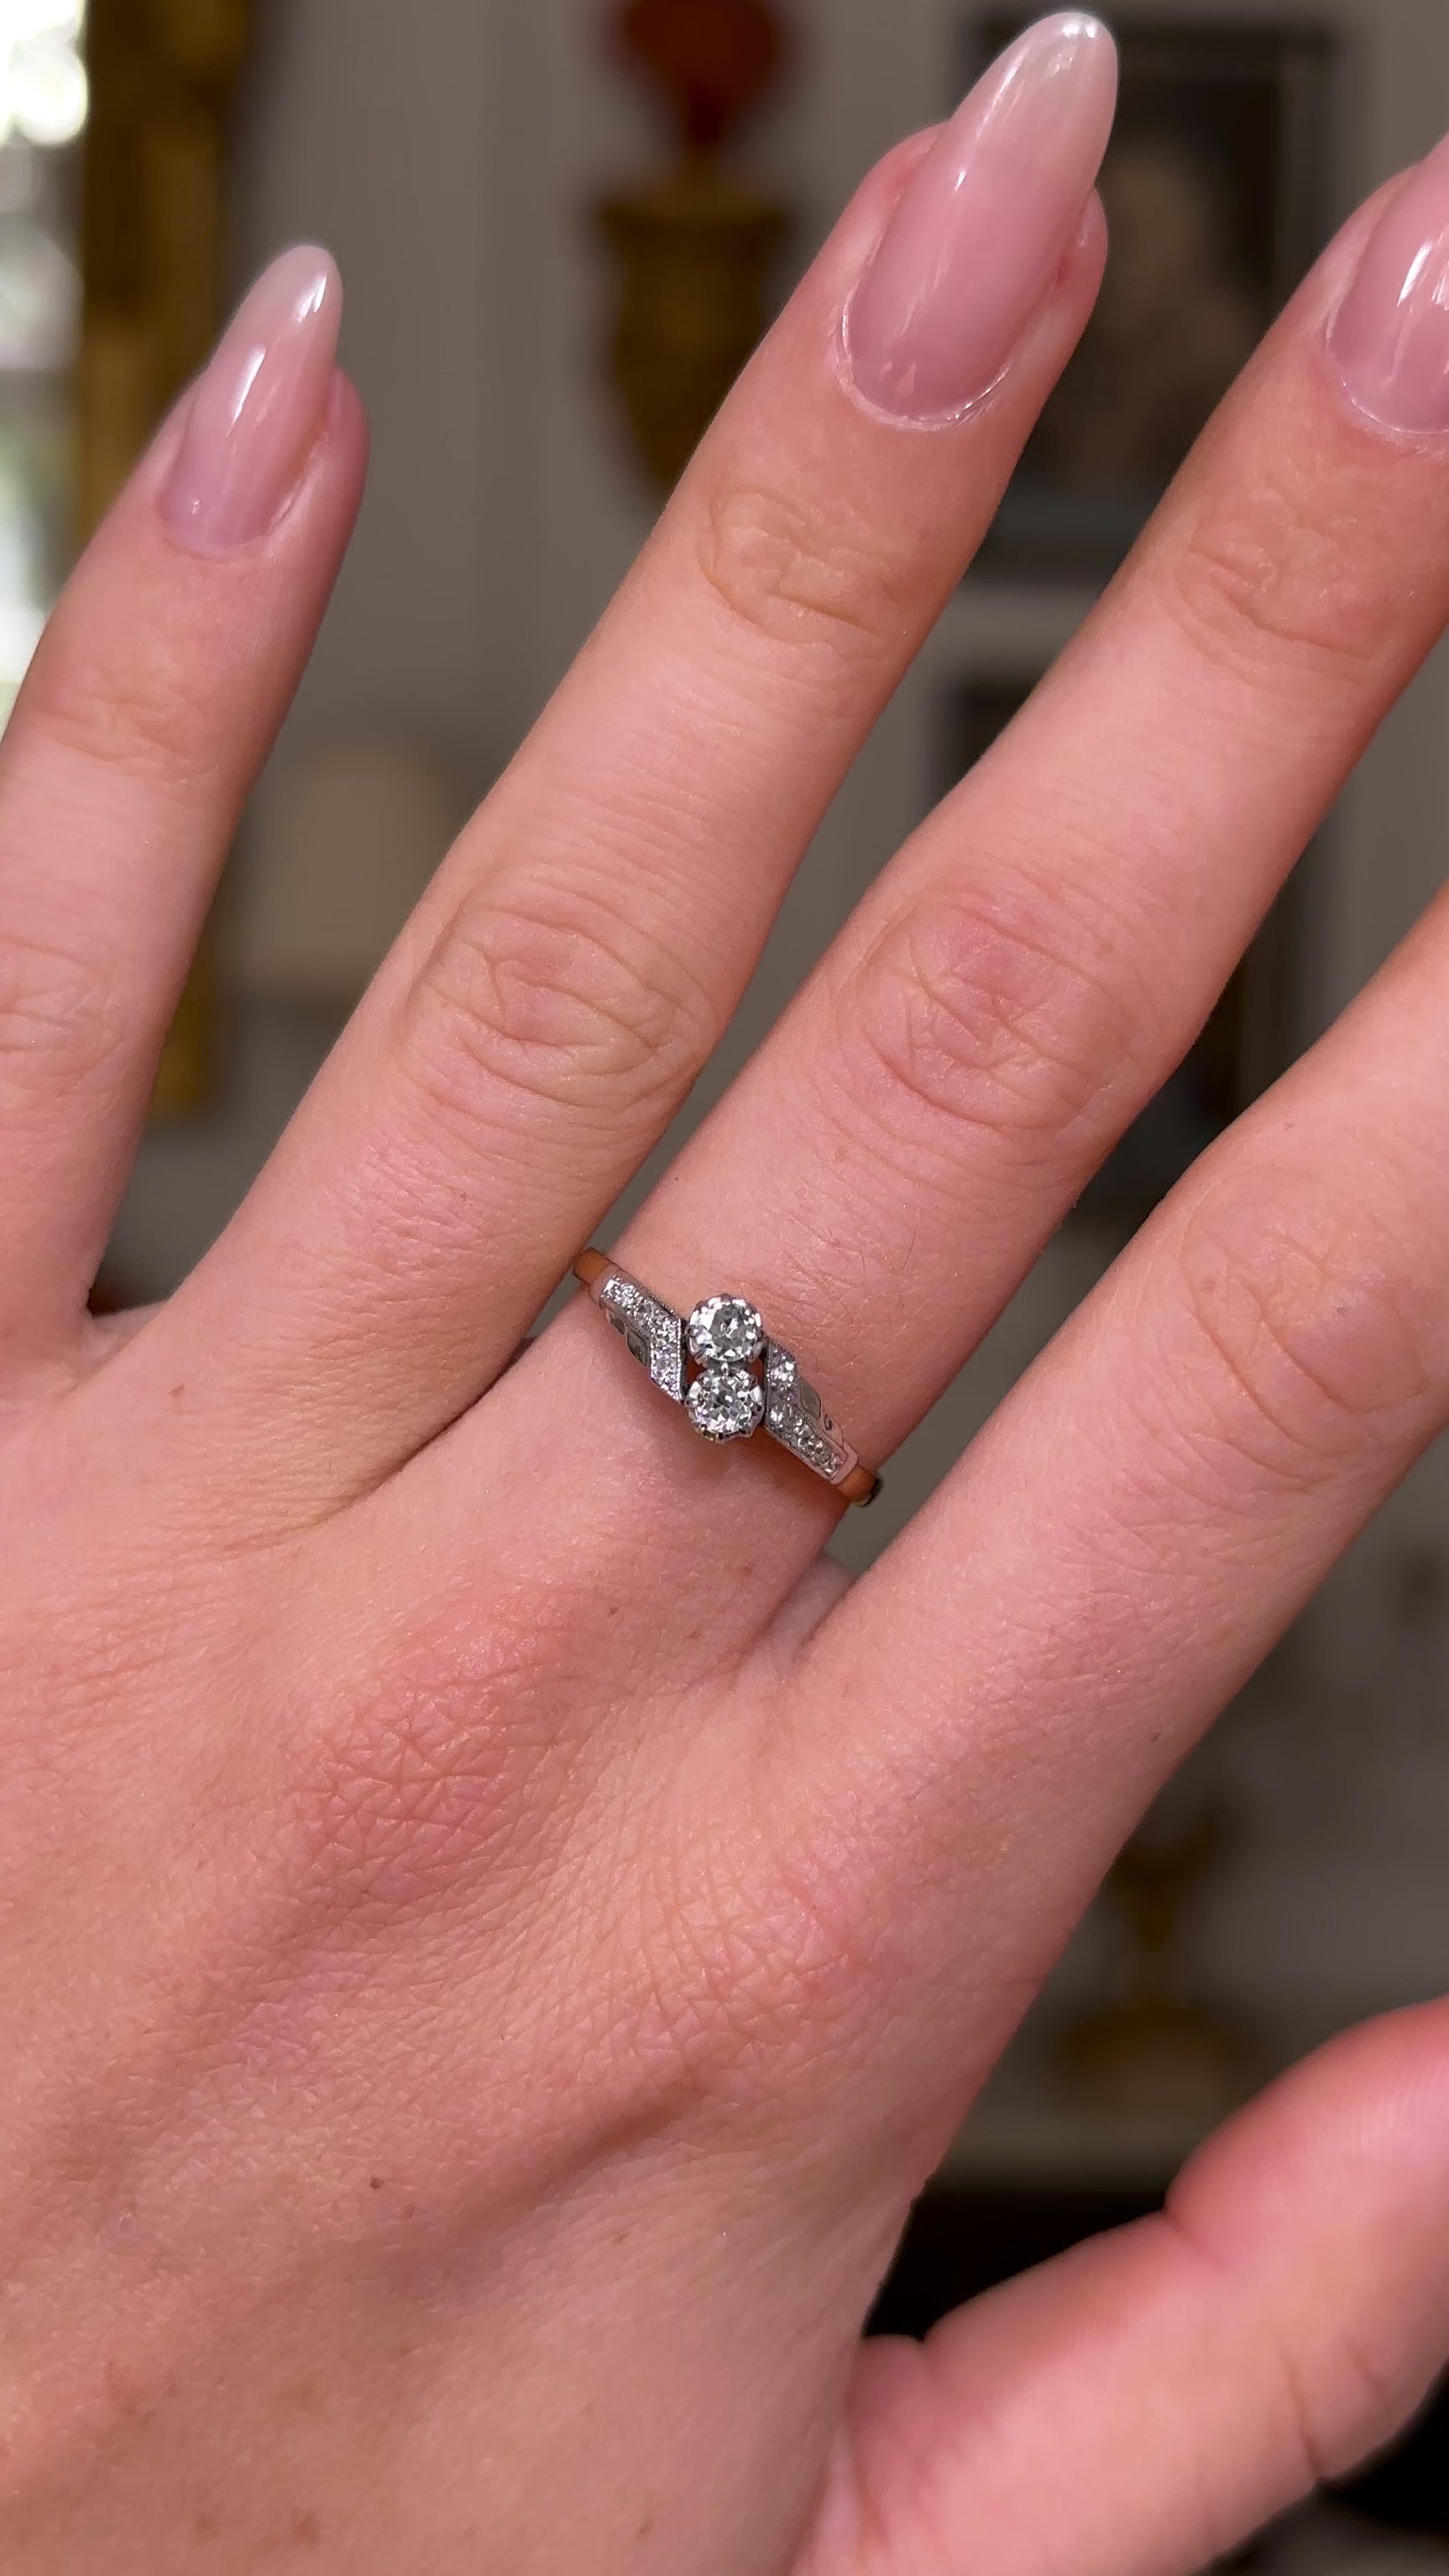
<point x="494" y="1935"/>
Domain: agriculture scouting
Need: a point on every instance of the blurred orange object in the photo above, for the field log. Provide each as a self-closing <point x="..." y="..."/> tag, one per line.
<point x="695" y="246"/>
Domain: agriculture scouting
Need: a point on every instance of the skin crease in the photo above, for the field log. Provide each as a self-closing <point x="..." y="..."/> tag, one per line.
<point x="492" y="1934"/>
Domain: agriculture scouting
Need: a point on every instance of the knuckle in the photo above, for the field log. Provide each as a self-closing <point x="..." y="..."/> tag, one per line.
<point x="1313" y="1351"/>
<point x="554" y="998"/>
<point x="765" y="1953"/>
<point x="432" y="1773"/>
<point x="150" y="720"/>
<point x="1274" y="569"/>
<point x="58" y="1021"/>
<point x="798" y="572"/>
<point x="974" y="1016"/>
<point x="1359" y="2394"/>
<point x="1338" y="2398"/>
<point x="742" y="1975"/>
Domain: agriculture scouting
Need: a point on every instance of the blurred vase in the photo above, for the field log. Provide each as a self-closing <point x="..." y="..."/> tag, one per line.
<point x="341" y="847"/>
<point x="1157" y="2046"/>
<point x="695" y="248"/>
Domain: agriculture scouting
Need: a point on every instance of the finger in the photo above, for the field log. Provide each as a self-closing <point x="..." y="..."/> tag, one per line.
<point x="150" y="706"/>
<point x="1143" y="2406"/>
<point x="1022" y="982"/>
<point x="587" y="943"/>
<point x="1153" y="1507"/>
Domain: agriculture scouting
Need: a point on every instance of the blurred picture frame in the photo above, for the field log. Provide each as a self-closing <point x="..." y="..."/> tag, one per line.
<point x="1220" y="188"/>
<point x="163" y="76"/>
<point x="1257" y="1031"/>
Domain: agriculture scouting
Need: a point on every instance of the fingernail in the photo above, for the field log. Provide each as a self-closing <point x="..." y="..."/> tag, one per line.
<point x="1390" y="337"/>
<point x="985" y="224"/>
<point x="258" y="411"/>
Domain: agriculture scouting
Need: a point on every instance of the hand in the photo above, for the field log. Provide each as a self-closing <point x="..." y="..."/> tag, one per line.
<point x="495" y="1933"/>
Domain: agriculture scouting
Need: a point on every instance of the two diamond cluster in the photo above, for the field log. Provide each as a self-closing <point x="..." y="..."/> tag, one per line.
<point x="727" y="1399"/>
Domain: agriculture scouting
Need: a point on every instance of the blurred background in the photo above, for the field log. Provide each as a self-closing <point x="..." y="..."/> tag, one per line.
<point x="562" y="227"/>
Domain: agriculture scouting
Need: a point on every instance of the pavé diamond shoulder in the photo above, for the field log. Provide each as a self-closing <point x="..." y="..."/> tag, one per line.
<point x="728" y="1375"/>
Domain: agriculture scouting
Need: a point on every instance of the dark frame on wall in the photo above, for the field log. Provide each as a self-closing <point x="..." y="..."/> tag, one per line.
<point x="163" y="78"/>
<point x="1221" y="186"/>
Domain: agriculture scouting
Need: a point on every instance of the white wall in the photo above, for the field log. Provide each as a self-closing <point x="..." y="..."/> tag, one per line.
<point x="368" y="129"/>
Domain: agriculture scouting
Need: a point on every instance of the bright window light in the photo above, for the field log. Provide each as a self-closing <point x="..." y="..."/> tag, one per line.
<point x="43" y="90"/>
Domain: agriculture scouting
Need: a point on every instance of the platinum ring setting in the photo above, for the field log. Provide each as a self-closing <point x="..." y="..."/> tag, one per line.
<point x="731" y="1380"/>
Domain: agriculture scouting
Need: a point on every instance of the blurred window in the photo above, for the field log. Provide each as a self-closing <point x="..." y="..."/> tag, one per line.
<point x="43" y="102"/>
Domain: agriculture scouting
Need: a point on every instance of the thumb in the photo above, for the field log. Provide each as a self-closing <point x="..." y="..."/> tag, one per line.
<point x="1145" y="2404"/>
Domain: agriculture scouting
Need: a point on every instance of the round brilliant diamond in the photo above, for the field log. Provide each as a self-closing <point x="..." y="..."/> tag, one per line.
<point x="726" y="1403"/>
<point x="726" y="1332"/>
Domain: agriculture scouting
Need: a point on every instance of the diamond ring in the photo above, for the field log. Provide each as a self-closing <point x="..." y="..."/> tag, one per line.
<point x="720" y="1364"/>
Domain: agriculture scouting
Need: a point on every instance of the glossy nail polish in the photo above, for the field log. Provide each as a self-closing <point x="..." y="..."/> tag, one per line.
<point x="258" y="411"/>
<point x="1390" y="337"/>
<point x="985" y="225"/>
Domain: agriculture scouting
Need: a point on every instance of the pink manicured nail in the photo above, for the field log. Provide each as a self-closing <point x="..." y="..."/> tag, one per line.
<point x="985" y="224"/>
<point x="1390" y="338"/>
<point x="259" y="408"/>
